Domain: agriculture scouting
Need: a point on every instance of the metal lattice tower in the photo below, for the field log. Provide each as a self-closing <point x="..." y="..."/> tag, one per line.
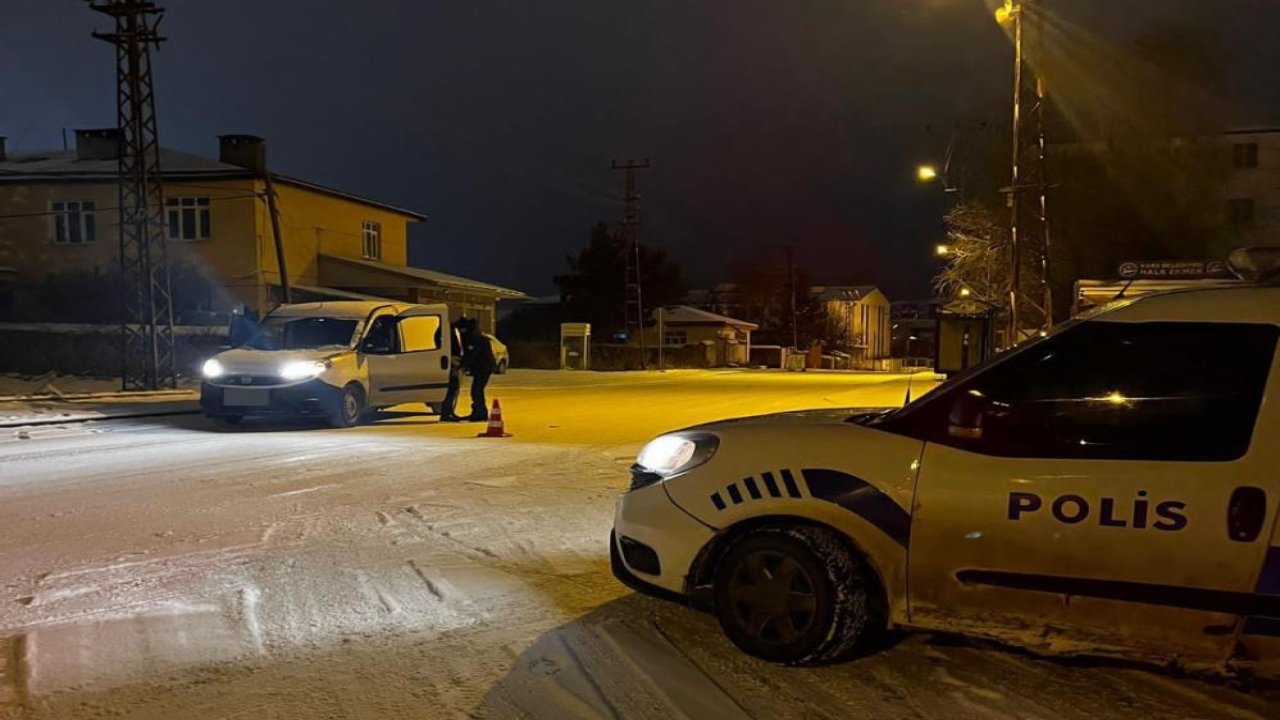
<point x="634" y="311"/>
<point x="1031" y="296"/>
<point x="147" y="352"/>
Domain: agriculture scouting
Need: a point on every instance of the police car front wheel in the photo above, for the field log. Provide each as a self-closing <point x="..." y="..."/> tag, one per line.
<point x="796" y="595"/>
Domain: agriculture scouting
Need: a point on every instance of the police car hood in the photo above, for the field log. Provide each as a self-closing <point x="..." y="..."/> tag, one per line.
<point x="244" y="361"/>
<point x="802" y="418"/>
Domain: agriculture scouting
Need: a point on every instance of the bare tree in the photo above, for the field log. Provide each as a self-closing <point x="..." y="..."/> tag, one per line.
<point x="977" y="255"/>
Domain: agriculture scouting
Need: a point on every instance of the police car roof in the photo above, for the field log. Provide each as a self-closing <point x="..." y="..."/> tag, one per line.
<point x="1242" y="303"/>
<point x="346" y="309"/>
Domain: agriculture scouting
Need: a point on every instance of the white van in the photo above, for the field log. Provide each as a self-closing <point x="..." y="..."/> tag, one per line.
<point x="335" y="360"/>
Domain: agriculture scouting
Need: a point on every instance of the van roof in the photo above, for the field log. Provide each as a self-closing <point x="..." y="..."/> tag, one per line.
<point x="347" y="309"/>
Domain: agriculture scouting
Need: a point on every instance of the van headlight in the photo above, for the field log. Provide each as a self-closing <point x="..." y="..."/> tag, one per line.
<point x="671" y="455"/>
<point x="212" y="369"/>
<point x="302" y="369"/>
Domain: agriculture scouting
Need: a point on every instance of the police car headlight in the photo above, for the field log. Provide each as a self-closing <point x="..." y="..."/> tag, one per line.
<point x="302" y="369"/>
<point x="212" y="369"/>
<point x="671" y="455"/>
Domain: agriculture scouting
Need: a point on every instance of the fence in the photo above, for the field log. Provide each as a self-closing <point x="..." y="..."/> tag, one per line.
<point x="546" y="356"/>
<point x="94" y="350"/>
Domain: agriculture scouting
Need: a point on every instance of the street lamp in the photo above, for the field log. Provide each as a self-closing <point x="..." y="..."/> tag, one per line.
<point x="926" y="173"/>
<point x="1029" y="141"/>
<point x="943" y="251"/>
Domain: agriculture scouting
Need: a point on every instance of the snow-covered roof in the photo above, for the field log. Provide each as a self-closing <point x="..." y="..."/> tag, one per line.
<point x="64" y="166"/>
<point x="429" y="276"/>
<point x="685" y="315"/>
<point x="828" y="293"/>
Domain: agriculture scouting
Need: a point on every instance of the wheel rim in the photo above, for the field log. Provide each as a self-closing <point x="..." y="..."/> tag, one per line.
<point x="772" y="597"/>
<point x="350" y="405"/>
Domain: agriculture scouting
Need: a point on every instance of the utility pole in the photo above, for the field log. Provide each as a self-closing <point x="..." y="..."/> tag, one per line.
<point x="1028" y="190"/>
<point x="791" y="291"/>
<point x="147" y="348"/>
<point x="634" y="309"/>
<point x="286" y="290"/>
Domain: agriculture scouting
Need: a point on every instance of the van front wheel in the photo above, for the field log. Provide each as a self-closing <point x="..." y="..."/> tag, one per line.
<point x="350" y="407"/>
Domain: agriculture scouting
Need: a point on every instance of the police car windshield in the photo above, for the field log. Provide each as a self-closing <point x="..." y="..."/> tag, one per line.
<point x="964" y="375"/>
<point x="312" y="333"/>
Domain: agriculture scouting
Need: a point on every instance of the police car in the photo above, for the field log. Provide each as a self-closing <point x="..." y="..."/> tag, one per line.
<point x="1108" y="489"/>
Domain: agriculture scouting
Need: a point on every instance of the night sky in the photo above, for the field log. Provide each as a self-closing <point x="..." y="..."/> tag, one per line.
<point x="769" y="122"/>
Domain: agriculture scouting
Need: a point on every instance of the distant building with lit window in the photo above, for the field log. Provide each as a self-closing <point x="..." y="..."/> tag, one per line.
<point x="58" y="217"/>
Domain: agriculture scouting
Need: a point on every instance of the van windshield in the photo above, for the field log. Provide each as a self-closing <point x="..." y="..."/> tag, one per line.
<point x="312" y="333"/>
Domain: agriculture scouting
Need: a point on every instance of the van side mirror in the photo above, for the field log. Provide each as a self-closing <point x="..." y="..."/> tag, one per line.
<point x="372" y="346"/>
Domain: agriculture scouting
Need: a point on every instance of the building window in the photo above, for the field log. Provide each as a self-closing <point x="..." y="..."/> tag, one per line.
<point x="675" y="337"/>
<point x="188" y="218"/>
<point x="1244" y="155"/>
<point x="1240" y="212"/>
<point x="73" y="222"/>
<point x="371" y="234"/>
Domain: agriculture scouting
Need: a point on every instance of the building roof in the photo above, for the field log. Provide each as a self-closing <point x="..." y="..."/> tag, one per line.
<point x="346" y="309"/>
<point x="63" y="166"/>
<point x="685" y="315"/>
<point x="432" y="277"/>
<point x="829" y="293"/>
<point x="337" y="294"/>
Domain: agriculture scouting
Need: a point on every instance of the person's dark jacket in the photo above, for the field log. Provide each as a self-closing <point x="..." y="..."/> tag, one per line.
<point x="477" y="354"/>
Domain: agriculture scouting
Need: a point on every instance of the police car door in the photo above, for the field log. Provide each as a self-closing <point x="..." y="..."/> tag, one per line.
<point x="1105" y="486"/>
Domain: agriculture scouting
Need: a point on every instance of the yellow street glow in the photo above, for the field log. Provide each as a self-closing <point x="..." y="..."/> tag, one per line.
<point x="942" y="250"/>
<point x="1005" y="13"/>
<point x="1116" y="398"/>
<point x="926" y="173"/>
<point x="965" y="292"/>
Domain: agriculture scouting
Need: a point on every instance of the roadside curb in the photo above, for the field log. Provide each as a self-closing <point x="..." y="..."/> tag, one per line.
<point x="14" y="425"/>
<point x="122" y="395"/>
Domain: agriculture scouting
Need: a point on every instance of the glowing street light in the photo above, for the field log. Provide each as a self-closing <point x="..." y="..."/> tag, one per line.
<point x="942" y="250"/>
<point x="926" y="173"/>
<point x="965" y="292"/>
<point x="1007" y="12"/>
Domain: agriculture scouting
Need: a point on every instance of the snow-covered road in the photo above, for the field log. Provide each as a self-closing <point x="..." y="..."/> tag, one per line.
<point x="171" y="568"/>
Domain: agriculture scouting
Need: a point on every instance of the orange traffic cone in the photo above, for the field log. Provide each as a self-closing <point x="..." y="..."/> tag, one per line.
<point x="497" y="428"/>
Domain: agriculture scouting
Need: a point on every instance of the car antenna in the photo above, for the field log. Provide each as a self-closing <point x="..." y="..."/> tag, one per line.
<point x="1124" y="289"/>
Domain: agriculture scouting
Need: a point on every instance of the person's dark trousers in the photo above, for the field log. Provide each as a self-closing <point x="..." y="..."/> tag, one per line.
<point x="479" y="408"/>
<point x="449" y="407"/>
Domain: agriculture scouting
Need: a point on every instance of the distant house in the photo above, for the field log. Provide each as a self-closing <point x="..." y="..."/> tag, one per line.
<point x="727" y="340"/>
<point x="858" y="319"/>
<point x="58" y="219"/>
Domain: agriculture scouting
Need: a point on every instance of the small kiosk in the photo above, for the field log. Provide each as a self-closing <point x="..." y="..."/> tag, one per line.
<point x="575" y="346"/>
<point x="965" y="337"/>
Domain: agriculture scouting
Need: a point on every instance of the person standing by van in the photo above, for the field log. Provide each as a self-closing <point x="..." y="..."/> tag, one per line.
<point x="449" y="408"/>
<point x="477" y="358"/>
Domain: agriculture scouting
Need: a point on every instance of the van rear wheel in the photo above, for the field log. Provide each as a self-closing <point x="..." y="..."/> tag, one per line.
<point x="350" y="407"/>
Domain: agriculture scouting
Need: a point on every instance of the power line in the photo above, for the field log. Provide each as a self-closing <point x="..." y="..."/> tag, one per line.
<point x="147" y="353"/>
<point x="634" y="303"/>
